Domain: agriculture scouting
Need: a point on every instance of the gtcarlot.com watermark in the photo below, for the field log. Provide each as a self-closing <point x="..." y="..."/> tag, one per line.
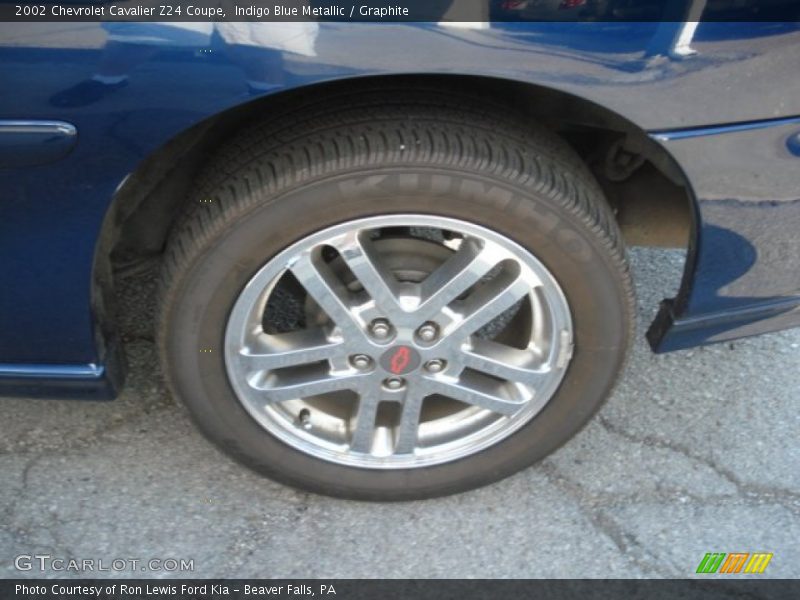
<point x="47" y="562"/>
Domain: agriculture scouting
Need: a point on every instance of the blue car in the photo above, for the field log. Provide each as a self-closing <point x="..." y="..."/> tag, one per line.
<point x="392" y="255"/>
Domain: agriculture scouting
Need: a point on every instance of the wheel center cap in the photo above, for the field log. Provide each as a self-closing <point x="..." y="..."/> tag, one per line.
<point x="400" y="360"/>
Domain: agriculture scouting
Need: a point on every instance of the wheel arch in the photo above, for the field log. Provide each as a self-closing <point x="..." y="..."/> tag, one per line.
<point x="140" y="215"/>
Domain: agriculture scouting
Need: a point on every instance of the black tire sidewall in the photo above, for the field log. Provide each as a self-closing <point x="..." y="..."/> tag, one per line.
<point x="579" y="257"/>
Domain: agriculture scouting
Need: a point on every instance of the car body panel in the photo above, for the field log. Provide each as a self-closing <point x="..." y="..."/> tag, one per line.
<point x="742" y="277"/>
<point x="84" y="382"/>
<point x="52" y="214"/>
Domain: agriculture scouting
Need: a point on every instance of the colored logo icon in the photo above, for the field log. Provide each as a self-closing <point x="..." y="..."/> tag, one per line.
<point x="735" y="562"/>
<point x="400" y="360"/>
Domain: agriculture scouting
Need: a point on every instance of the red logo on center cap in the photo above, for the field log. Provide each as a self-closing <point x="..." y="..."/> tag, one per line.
<point x="400" y="360"/>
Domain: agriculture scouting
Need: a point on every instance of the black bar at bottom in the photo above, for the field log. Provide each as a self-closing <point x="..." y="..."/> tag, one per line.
<point x="713" y="588"/>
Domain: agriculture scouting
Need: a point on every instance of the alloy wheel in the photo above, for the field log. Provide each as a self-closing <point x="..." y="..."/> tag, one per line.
<point x="398" y="341"/>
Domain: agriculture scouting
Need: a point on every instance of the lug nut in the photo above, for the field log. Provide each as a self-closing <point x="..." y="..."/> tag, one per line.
<point x="361" y="362"/>
<point x="435" y="365"/>
<point x="380" y="329"/>
<point x="394" y="383"/>
<point x="428" y="332"/>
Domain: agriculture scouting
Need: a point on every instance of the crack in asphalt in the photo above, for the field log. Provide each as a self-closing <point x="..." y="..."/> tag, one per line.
<point x="15" y="526"/>
<point x="629" y="547"/>
<point x="592" y="504"/>
<point x="787" y="498"/>
<point x="21" y="529"/>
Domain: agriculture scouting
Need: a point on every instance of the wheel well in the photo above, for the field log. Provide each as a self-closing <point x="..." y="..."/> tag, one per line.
<point x="642" y="183"/>
<point x="646" y="189"/>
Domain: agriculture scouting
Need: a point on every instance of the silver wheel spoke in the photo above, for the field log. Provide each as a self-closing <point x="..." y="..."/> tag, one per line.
<point x="282" y="387"/>
<point x="327" y="291"/>
<point x="464" y="269"/>
<point x="504" y="362"/>
<point x="362" y="259"/>
<point x="487" y="303"/>
<point x="363" y="430"/>
<point x="479" y="393"/>
<point x="290" y="350"/>
<point x="407" y="429"/>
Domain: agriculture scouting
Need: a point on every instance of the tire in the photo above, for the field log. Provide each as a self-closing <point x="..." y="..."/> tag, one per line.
<point x="390" y="164"/>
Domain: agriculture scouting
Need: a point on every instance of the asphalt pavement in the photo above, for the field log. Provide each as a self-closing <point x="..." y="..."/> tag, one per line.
<point x="695" y="452"/>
